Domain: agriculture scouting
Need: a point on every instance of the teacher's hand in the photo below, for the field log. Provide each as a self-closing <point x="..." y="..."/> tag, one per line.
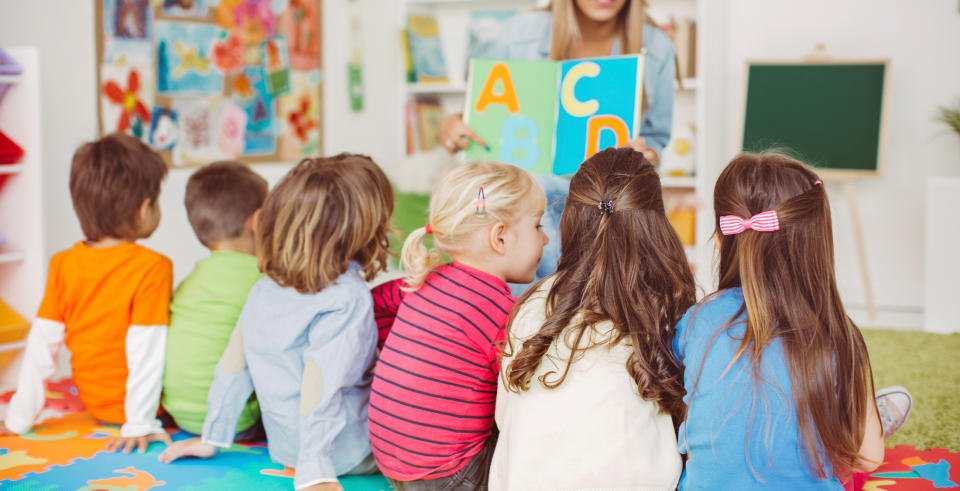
<point x="456" y="136"/>
<point x="640" y="145"/>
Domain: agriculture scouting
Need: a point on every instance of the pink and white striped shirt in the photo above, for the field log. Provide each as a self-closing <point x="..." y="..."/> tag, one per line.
<point x="435" y="385"/>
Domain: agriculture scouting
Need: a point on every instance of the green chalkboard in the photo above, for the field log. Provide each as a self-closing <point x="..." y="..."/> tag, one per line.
<point x="828" y="115"/>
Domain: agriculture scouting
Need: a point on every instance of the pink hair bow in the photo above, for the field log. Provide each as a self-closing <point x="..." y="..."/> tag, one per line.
<point x="761" y="222"/>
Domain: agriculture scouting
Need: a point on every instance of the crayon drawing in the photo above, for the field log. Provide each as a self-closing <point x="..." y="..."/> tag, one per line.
<point x="196" y="9"/>
<point x="164" y="129"/>
<point x="259" y="105"/>
<point x="196" y="145"/>
<point x="183" y="58"/>
<point x="252" y="19"/>
<point x="300" y="116"/>
<point x="232" y="122"/>
<point x="300" y="23"/>
<point x="126" y="95"/>
<point x="127" y="30"/>
<point x="276" y="65"/>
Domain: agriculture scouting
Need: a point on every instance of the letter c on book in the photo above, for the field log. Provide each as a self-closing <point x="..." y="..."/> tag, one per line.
<point x="567" y="97"/>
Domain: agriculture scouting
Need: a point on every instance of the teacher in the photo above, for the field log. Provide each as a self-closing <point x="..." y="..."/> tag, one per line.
<point x="568" y="29"/>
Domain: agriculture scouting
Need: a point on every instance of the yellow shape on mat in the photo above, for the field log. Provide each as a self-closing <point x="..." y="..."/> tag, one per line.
<point x="17" y="458"/>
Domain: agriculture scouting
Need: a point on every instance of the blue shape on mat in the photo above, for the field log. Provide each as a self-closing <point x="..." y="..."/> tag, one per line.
<point x="938" y="474"/>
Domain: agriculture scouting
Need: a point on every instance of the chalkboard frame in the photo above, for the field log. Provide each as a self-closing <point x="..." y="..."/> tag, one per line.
<point x="828" y="173"/>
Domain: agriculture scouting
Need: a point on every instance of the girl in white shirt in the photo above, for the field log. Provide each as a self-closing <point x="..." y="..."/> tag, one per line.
<point x="589" y="390"/>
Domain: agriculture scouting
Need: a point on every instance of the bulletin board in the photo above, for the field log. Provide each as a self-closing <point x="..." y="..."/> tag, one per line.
<point x="830" y="114"/>
<point x="205" y="80"/>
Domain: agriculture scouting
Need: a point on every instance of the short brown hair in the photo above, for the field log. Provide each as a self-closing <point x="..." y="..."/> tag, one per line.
<point x="323" y="214"/>
<point x="109" y="180"/>
<point x="220" y="198"/>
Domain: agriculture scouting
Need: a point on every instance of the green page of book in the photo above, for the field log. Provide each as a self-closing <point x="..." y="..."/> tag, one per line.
<point x="508" y="102"/>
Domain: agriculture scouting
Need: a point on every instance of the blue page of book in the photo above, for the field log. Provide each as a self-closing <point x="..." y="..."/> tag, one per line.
<point x="598" y="107"/>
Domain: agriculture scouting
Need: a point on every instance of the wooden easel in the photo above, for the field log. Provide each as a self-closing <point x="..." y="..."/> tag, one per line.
<point x="819" y="54"/>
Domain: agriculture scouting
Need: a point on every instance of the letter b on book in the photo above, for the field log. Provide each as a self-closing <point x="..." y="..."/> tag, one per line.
<point x="519" y="142"/>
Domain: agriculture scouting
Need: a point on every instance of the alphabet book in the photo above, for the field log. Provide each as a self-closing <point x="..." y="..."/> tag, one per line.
<point x="549" y="116"/>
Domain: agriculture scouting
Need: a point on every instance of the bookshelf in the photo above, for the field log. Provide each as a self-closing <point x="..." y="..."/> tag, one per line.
<point x="21" y="255"/>
<point x="683" y="177"/>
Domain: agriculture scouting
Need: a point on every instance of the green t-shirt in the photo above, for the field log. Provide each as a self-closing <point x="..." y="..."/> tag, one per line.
<point x="203" y="313"/>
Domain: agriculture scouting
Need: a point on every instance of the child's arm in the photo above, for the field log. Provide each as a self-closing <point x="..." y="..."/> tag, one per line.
<point x="386" y="301"/>
<point x="871" y="450"/>
<point x="145" y="345"/>
<point x="39" y="364"/>
<point x="338" y="356"/>
<point x="228" y="395"/>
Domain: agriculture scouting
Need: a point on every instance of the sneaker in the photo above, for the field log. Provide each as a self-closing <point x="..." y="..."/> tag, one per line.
<point x="894" y="404"/>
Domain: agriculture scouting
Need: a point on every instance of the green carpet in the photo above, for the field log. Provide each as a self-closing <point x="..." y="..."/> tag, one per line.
<point x="928" y="365"/>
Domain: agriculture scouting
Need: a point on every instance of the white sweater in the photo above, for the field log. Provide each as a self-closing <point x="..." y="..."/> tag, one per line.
<point x="594" y="431"/>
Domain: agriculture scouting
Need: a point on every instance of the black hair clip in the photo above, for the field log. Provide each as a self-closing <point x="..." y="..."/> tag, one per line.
<point x="605" y="207"/>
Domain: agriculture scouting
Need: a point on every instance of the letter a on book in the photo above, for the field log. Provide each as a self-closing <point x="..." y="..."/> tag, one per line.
<point x="508" y="97"/>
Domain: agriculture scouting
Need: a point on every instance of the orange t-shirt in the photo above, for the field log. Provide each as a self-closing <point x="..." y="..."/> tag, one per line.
<point x="98" y="293"/>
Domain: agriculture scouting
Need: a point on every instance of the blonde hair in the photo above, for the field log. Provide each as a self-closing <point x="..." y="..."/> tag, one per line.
<point x="453" y="211"/>
<point x="323" y="214"/>
<point x="565" y="30"/>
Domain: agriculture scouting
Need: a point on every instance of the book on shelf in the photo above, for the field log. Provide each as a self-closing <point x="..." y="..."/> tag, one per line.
<point x="423" y="37"/>
<point x="549" y="116"/>
<point x="683" y="33"/>
<point x="486" y="28"/>
<point x="423" y="117"/>
<point x="409" y="75"/>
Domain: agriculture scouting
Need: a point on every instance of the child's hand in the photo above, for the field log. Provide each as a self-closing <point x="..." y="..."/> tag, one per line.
<point x="324" y="486"/>
<point x="139" y="442"/>
<point x="194" y="447"/>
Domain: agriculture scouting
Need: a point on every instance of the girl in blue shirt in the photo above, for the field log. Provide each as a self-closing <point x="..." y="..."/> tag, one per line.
<point x="778" y="381"/>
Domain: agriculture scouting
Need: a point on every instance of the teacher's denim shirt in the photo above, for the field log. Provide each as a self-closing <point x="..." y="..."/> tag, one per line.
<point x="526" y="36"/>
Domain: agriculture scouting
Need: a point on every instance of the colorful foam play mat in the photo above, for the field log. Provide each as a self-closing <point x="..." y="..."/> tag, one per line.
<point x="65" y="452"/>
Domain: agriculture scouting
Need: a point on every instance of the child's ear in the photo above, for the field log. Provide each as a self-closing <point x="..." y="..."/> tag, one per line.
<point x="144" y="209"/>
<point x="497" y="238"/>
<point x="251" y="224"/>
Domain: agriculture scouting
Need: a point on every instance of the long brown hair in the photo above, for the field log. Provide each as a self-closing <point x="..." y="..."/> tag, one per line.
<point x="790" y="293"/>
<point x="626" y="266"/>
<point x="323" y="214"/>
<point x="565" y="30"/>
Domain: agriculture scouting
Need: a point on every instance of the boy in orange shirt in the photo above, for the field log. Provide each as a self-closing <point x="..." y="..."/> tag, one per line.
<point x="106" y="297"/>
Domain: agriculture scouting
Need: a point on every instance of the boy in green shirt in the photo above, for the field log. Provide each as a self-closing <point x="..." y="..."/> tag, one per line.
<point x="222" y="200"/>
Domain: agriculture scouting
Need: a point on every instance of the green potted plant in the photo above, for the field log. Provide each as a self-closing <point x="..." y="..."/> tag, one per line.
<point x="950" y="116"/>
<point x="941" y="261"/>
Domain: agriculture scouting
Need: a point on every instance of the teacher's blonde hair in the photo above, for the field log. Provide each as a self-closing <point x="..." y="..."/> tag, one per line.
<point x="566" y="30"/>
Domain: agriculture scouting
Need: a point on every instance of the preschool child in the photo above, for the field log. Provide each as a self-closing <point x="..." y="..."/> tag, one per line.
<point x="778" y="382"/>
<point x="222" y="201"/>
<point x="306" y="338"/>
<point x="434" y="387"/>
<point x="106" y="297"/>
<point x="589" y="388"/>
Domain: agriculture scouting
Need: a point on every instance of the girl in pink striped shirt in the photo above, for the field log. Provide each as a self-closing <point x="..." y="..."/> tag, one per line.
<point x="435" y="385"/>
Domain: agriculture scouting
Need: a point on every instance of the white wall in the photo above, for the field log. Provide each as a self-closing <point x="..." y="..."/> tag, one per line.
<point x="922" y="41"/>
<point x="64" y="33"/>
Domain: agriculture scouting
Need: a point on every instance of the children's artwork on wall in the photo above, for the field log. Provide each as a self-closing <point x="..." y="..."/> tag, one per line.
<point x="299" y="23"/>
<point x="126" y="98"/>
<point x="164" y="129"/>
<point x="200" y="80"/>
<point x="126" y="30"/>
<point x="276" y="65"/>
<point x="185" y="8"/>
<point x="184" y="63"/>
<point x="300" y="113"/>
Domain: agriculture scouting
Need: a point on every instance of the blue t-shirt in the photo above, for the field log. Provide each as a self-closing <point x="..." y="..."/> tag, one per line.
<point x="739" y="433"/>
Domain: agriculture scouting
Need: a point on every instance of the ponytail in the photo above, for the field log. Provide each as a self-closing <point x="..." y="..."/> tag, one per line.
<point x="418" y="261"/>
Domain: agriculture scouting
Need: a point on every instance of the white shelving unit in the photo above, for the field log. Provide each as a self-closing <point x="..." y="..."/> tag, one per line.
<point x="689" y="106"/>
<point x="21" y="256"/>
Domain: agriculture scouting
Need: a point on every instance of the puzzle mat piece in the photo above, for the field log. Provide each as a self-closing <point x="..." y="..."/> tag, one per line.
<point x="906" y="468"/>
<point x="67" y="453"/>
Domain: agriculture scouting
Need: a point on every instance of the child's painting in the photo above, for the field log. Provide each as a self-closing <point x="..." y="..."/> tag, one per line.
<point x="199" y="80"/>
<point x="300" y="24"/>
<point x="183" y="59"/>
<point x="126" y="34"/>
<point x="126" y="99"/>
<point x="300" y="114"/>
